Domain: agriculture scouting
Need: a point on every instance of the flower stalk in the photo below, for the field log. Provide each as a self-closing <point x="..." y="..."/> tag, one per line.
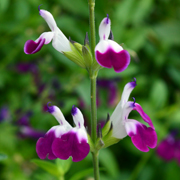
<point x="93" y="78"/>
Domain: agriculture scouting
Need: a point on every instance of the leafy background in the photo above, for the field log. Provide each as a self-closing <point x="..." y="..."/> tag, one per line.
<point x="149" y="29"/>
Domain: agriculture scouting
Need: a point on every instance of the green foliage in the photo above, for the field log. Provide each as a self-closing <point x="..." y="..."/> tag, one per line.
<point x="150" y="32"/>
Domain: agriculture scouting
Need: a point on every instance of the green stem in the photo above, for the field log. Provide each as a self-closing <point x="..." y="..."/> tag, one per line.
<point x="93" y="76"/>
<point x="92" y="26"/>
<point x="93" y="109"/>
<point x="96" y="166"/>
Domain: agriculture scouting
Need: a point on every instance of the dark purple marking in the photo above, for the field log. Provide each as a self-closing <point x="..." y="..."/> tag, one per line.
<point x="74" y="110"/>
<point x="133" y="83"/>
<point x="50" y="108"/>
<point x="107" y="19"/>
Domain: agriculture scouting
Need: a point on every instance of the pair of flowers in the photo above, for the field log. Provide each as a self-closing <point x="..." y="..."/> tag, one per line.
<point x="63" y="141"/>
<point x="107" y="52"/>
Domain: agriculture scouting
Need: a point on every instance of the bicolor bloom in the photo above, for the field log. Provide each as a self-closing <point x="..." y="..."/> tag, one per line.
<point x="59" y="40"/>
<point x="108" y="53"/>
<point x="141" y="136"/>
<point x="169" y="148"/>
<point x="63" y="141"/>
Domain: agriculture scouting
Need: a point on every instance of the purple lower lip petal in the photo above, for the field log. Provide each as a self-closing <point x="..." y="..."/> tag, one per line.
<point x="68" y="145"/>
<point x="32" y="47"/>
<point x="43" y="146"/>
<point x="145" y="137"/>
<point x="118" y="60"/>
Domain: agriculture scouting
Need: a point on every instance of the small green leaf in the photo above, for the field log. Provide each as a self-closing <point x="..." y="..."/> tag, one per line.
<point x="159" y="93"/>
<point x="47" y="166"/>
<point x="106" y="128"/>
<point x="82" y="174"/>
<point x="108" y="160"/>
<point x="64" y="165"/>
<point x="88" y="59"/>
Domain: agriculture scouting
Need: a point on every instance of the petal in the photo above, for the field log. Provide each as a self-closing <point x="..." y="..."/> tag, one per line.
<point x="56" y="112"/>
<point x="32" y="47"/>
<point x="127" y="91"/>
<point x="110" y="54"/>
<point x="60" y="42"/>
<point x="120" y="61"/>
<point x="43" y="145"/>
<point x="48" y="18"/>
<point x="104" y="28"/>
<point x="119" y="120"/>
<point x="77" y="117"/>
<point x="68" y="145"/>
<point x="117" y="114"/>
<point x="145" y="136"/>
<point x="145" y="117"/>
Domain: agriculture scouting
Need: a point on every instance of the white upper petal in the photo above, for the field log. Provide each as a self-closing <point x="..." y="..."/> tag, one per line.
<point x="121" y="112"/>
<point x="114" y="45"/>
<point x="78" y="118"/>
<point x="60" y="42"/>
<point x="60" y="117"/>
<point x="48" y="36"/>
<point x="103" y="45"/>
<point x="49" y="19"/>
<point x="104" y="28"/>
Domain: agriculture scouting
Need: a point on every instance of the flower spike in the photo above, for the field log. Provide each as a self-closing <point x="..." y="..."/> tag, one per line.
<point x="107" y="52"/>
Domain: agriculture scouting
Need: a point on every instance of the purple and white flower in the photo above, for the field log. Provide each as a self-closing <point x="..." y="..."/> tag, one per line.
<point x="141" y="135"/>
<point x="63" y="141"/>
<point x="108" y="53"/>
<point x="59" y="40"/>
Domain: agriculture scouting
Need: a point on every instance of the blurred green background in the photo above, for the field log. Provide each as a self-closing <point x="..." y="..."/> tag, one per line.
<point x="149" y="29"/>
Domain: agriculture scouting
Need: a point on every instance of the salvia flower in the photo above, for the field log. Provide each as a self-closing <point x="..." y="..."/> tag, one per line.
<point x="63" y="141"/>
<point x="108" y="53"/>
<point x="59" y="40"/>
<point x="169" y="148"/>
<point x="141" y="136"/>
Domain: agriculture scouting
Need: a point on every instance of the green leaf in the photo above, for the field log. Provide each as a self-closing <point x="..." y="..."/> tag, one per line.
<point x="3" y="5"/>
<point x="47" y="166"/>
<point x="63" y="165"/>
<point x="3" y="157"/>
<point x="108" y="160"/>
<point x="159" y="94"/>
<point x="82" y="174"/>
